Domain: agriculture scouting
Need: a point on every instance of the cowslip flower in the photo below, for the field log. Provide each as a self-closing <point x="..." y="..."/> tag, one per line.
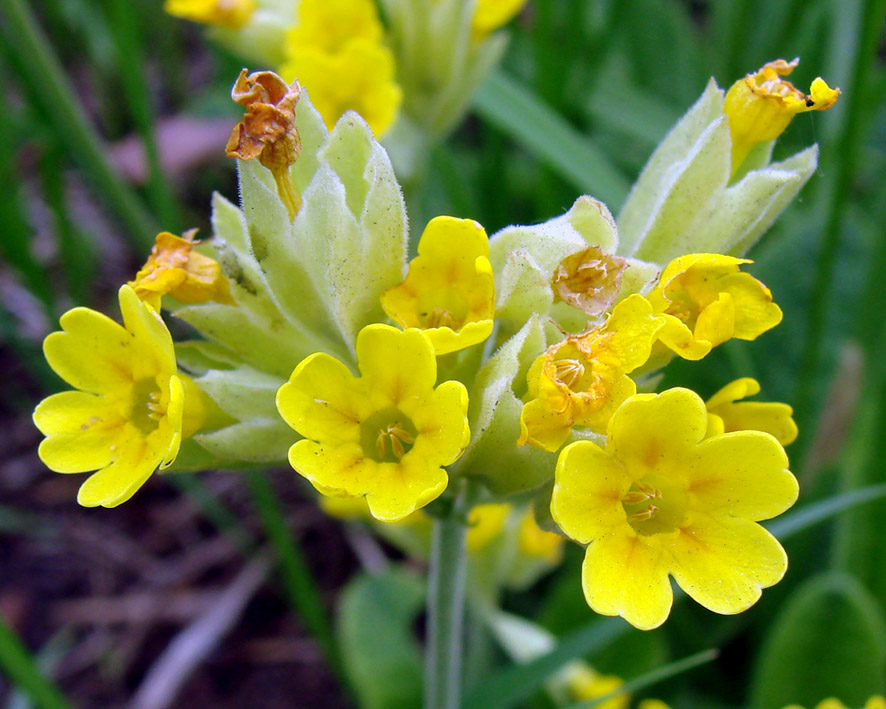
<point x="386" y="434"/>
<point x="485" y="523"/>
<point x="589" y="280"/>
<point x="449" y="292"/>
<point x="359" y="77"/>
<point x="533" y="541"/>
<point x="226" y="13"/>
<point x="174" y="268"/>
<point x="125" y="420"/>
<point x="268" y="131"/>
<point x="328" y="25"/>
<point x="705" y="300"/>
<point x="662" y="499"/>
<point x="726" y="412"/>
<point x="583" y="380"/>
<point x="760" y="106"/>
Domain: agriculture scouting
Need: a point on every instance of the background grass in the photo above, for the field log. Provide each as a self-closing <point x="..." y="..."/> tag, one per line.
<point x="585" y="92"/>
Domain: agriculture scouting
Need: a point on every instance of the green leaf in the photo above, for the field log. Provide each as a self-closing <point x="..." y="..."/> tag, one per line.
<point x="537" y="128"/>
<point x="19" y="666"/>
<point x="381" y="656"/>
<point x="829" y="641"/>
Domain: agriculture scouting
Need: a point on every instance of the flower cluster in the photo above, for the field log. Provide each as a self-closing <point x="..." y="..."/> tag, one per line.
<point x="429" y="59"/>
<point x="489" y="372"/>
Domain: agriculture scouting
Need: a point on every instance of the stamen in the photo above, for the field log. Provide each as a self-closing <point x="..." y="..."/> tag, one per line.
<point x="440" y="317"/>
<point x="397" y="435"/>
<point x="569" y="371"/>
<point x="644" y="514"/>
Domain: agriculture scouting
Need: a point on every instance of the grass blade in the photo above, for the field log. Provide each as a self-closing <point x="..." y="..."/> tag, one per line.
<point x="20" y="667"/>
<point x="502" y="102"/>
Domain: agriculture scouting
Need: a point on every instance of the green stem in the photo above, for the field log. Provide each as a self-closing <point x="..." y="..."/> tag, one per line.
<point x="17" y="664"/>
<point x="49" y="86"/>
<point x="446" y="597"/>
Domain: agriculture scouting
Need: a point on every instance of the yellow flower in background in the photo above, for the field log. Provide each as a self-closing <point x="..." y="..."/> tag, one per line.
<point x="489" y="15"/>
<point x="126" y="419"/>
<point x="328" y="25"/>
<point x="705" y="300"/>
<point x="534" y="541"/>
<point x="661" y="499"/>
<point x="358" y="78"/>
<point x="174" y="268"/>
<point x="385" y="434"/>
<point x="875" y="702"/>
<point x="726" y="412"/>
<point x="449" y="292"/>
<point x="761" y="105"/>
<point x="583" y="380"/>
<point x="585" y="684"/>
<point x="485" y="523"/>
<point x="227" y="13"/>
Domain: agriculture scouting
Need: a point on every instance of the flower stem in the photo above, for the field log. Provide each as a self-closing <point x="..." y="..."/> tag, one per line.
<point x="446" y="595"/>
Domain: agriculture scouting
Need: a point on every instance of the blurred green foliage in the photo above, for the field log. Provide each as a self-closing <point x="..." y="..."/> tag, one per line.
<point x="587" y="89"/>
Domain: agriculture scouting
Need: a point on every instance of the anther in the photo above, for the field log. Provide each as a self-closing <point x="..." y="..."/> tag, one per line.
<point x="569" y="371"/>
<point x="644" y="514"/>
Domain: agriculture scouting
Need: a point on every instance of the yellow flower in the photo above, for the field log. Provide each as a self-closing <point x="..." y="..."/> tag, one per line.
<point x="706" y="300"/>
<point x="585" y="684"/>
<point x="359" y="77"/>
<point x="328" y="25"/>
<point x="875" y="702"/>
<point x="227" y="13"/>
<point x="175" y="268"/>
<point x="385" y="434"/>
<point x="583" y="380"/>
<point x="485" y="522"/>
<point x="534" y="541"/>
<point x="489" y="15"/>
<point x="449" y="292"/>
<point x="126" y="418"/>
<point x="761" y="105"/>
<point x="727" y="413"/>
<point x="662" y="499"/>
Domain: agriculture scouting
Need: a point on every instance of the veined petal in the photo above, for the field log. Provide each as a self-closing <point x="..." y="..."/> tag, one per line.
<point x="724" y="564"/>
<point x="397" y="363"/>
<point x="323" y="400"/>
<point x="589" y="485"/>
<point x="742" y="474"/>
<point x="120" y="480"/>
<point x="626" y="574"/>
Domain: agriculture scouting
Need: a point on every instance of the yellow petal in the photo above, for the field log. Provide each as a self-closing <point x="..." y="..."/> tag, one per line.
<point x="119" y="481"/>
<point x="442" y="424"/>
<point x="76" y="413"/>
<point x="397" y="364"/>
<point x="755" y="313"/>
<point x="588" y="487"/>
<point x="446" y="340"/>
<point x="341" y="470"/>
<point x="93" y="353"/>
<point x="716" y="322"/>
<point x="743" y="474"/>
<point x="154" y="352"/>
<point x="735" y="390"/>
<point x="543" y="426"/>
<point x="627" y="575"/>
<point x="402" y="488"/>
<point x="655" y="432"/>
<point x="323" y="400"/>
<point x="679" y="339"/>
<point x="723" y="564"/>
<point x="170" y="428"/>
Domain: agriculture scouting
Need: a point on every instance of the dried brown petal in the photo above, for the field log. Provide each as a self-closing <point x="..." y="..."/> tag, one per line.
<point x="589" y="280"/>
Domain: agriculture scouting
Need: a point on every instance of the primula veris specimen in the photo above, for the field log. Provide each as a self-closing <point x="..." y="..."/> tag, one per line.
<point x="126" y="419"/>
<point x="707" y="300"/>
<point x="449" y="292"/>
<point x="385" y="434"/>
<point x="761" y="105"/>
<point x="174" y="268"/>
<point x="226" y="13"/>
<point x="726" y="412"/>
<point x="582" y="380"/>
<point x="328" y="25"/>
<point x="662" y="499"/>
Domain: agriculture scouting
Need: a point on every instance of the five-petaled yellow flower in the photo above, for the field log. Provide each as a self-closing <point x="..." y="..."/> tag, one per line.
<point x="175" y="268"/>
<point x="760" y="106"/>
<point x="227" y="13"/>
<point x="449" y="292"/>
<point x="662" y="499"/>
<point x="126" y="418"/>
<point x="726" y="412"/>
<point x="583" y="380"/>
<point x="386" y="434"/>
<point x="705" y="300"/>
